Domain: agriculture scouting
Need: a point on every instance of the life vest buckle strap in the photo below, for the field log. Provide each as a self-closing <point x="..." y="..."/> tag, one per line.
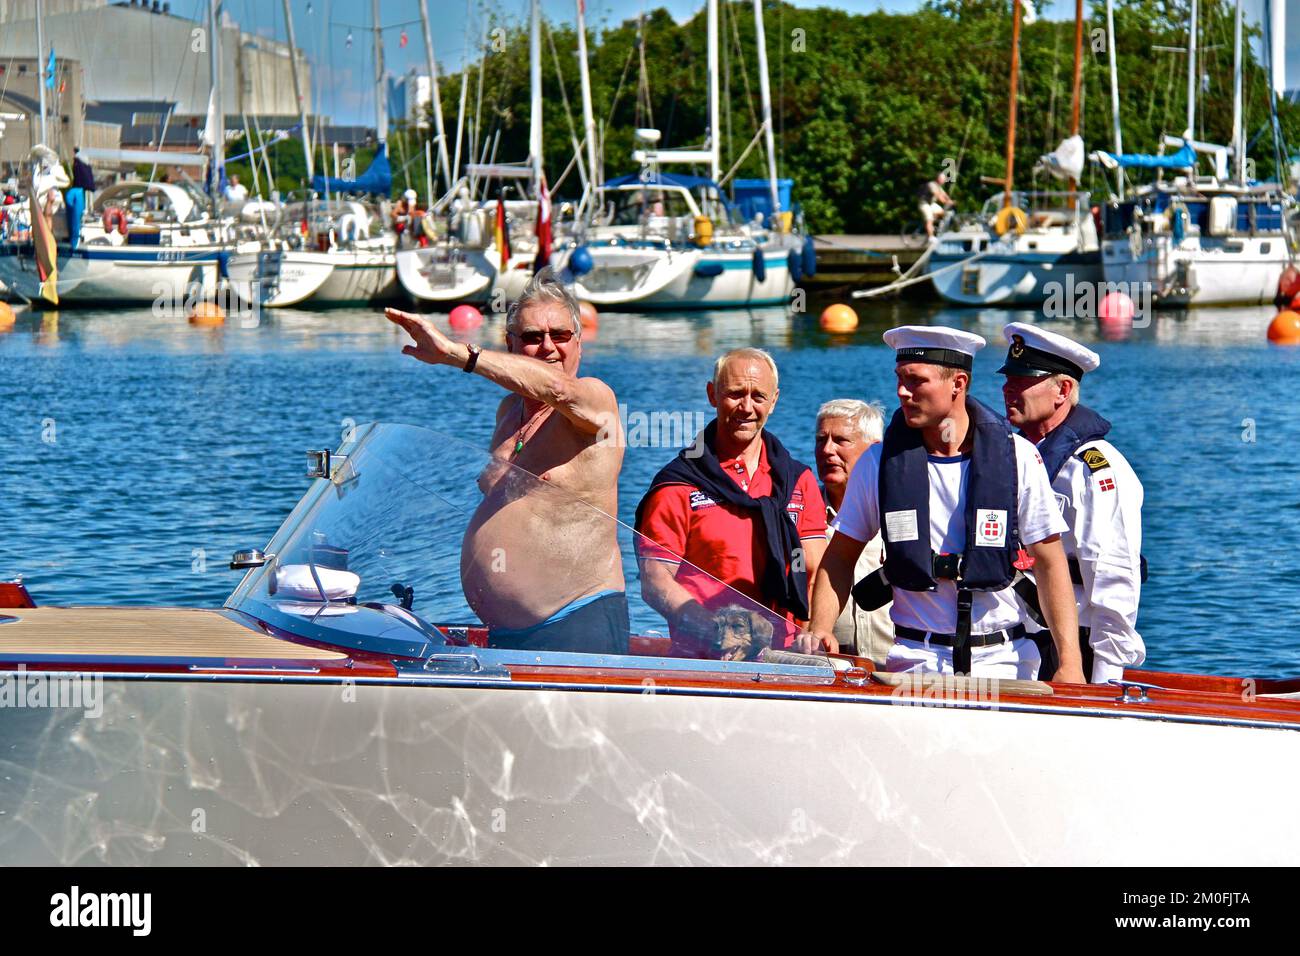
<point x="961" y="656"/>
<point x="945" y="566"/>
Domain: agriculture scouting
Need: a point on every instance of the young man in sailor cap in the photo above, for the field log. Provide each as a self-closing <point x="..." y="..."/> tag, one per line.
<point x="958" y="499"/>
<point x="1098" y="493"/>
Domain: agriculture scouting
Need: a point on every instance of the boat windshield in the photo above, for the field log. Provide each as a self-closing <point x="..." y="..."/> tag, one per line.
<point x="418" y="541"/>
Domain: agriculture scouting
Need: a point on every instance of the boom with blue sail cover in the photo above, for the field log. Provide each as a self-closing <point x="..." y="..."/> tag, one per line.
<point x="377" y="180"/>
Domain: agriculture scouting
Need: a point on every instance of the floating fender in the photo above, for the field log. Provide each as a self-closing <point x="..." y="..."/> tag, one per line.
<point x="809" y="257"/>
<point x="115" y="220"/>
<point x="708" y="270"/>
<point x="580" y="261"/>
<point x="760" y="266"/>
<point x="795" y="261"/>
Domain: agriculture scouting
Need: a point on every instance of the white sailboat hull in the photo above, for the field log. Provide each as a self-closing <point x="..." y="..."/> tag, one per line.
<point x="1244" y="270"/>
<point x="1025" y="270"/>
<point x="438" y="275"/>
<point x="685" y="279"/>
<point x="119" y="275"/>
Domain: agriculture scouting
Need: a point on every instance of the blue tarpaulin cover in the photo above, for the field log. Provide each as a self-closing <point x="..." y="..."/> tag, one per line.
<point x="377" y="180"/>
<point x="754" y="196"/>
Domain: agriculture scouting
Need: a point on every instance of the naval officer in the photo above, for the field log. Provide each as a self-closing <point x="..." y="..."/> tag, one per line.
<point x="1099" y="495"/>
<point x="958" y="498"/>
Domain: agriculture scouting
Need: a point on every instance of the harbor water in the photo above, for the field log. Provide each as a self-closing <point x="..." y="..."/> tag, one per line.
<point x="140" y="451"/>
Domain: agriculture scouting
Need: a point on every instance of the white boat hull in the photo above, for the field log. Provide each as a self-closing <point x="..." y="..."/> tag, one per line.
<point x="685" y="279"/>
<point x="435" y="275"/>
<point x="1194" y="273"/>
<point x="300" y="275"/>
<point x="293" y="771"/>
<point x="116" y="274"/>
<point x="1025" y="270"/>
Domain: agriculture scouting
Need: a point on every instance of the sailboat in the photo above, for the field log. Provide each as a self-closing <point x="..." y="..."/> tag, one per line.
<point x="332" y="252"/>
<point x="1217" y="239"/>
<point x="657" y="239"/>
<point x="466" y="260"/>
<point x="141" y="242"/>
<point x="1025" y="245"/>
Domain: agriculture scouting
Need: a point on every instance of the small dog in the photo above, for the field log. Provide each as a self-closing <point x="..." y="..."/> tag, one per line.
<point x="741" y="633"/>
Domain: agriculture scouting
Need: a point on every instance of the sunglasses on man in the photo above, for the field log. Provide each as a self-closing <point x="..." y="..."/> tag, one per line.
<point x="535" y="337"/>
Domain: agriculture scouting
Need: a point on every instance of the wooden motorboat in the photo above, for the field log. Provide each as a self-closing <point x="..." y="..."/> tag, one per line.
<point x="345" y="707"/>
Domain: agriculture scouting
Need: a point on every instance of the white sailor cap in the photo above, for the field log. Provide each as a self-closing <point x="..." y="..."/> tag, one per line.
<point x="935" y="345"/>
<point x="1034" y="351"/>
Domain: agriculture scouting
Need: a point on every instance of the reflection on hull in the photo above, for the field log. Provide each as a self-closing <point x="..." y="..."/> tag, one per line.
<point x="289" y="772"/>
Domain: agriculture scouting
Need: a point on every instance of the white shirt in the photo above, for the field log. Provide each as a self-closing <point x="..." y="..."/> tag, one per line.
<point x="236" y="192"/>
<point x="858" y="631"/>
<point x="1103" y="509"/>
<point x="1038" y="518"/>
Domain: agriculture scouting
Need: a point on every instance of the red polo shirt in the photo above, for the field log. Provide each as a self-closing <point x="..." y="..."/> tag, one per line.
<point x="724" y="541"/>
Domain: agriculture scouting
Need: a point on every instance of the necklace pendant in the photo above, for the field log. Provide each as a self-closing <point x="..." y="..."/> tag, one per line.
<point x="519" y="446"/>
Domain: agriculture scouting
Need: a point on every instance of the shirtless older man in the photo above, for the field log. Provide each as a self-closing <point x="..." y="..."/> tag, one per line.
<point x="540" y="563"/>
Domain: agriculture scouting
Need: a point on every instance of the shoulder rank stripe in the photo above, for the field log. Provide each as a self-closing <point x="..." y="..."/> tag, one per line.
<point x="1094" y="459"/>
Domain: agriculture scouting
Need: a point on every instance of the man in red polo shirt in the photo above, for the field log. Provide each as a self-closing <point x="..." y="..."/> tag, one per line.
<point x="734" y="509"/>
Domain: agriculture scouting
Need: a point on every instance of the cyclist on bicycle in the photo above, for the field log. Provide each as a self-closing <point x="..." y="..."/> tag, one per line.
<point x="933" y="200"/>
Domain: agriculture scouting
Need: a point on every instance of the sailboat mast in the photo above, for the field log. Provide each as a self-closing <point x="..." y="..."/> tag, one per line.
<point x="1191" y="76"/>
<point x="464" y="93"/>
<point x="40" y="66"/>
<point x="1078" y="83"/>
<point x="214" y="64"/>
<point x="1238" y="140"/>
<point x="297" y="92"/>
<point x="432" y="63"/>
<point x="1011" y="117"/>
<point x="1114" y="92"/>
<point x="588" y="116"/>
<point x="1277" y="45"/>
<point x="381" y="91"/>
<point x="535" y="79"/>
<point x="765" y="93"/>
<point x="715" y="113"/>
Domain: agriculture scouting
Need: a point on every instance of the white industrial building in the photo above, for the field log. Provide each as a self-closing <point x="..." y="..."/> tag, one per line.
<point x="138" y="51"/>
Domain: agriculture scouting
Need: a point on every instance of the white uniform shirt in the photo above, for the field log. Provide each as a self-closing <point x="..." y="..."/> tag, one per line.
<point x="1103" y="509"/>
<point x="859" y="631"/>
<point x="1038" y="518"/>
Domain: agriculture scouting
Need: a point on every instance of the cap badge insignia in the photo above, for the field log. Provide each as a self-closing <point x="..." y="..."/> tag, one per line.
<point x="1017" y="346"/>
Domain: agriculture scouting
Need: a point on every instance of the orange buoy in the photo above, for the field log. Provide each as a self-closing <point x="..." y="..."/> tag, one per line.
<point x="1285" y="328"/>
<point x="207" y="314"/>
<point x="590" y="319"/>
<point x="7" y="317"/>
<point x="465" y="317"/>
<point x="1288" y="287"/>
<point x="839" y="318"/>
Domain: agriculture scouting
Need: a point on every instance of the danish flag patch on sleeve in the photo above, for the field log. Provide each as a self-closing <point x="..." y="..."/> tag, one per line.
<point x="1106" y="484"/>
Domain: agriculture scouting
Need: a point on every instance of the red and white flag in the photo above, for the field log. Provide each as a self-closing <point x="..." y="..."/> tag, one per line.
<point x="543" y="227"/>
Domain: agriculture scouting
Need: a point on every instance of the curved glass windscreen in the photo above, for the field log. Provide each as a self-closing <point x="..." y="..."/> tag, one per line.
<point x="418" y="541"/>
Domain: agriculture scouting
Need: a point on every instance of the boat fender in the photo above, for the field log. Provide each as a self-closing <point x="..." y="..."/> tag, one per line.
<point x="348" y="227"/>
<point x="703" y="231"/>
<point x="1008" y="218"/>
<point x="760" y="266"/>
<point x="795" y="262"/>
<point x="809" y="257"/>
<point x="708" y="270"/>
<point x="580" y="262"/>
<point x="115" y="220"/>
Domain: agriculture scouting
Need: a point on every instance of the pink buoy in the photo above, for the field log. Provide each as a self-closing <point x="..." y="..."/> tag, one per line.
<point x="1115" y="309"/>
<point x="465" y="317"/>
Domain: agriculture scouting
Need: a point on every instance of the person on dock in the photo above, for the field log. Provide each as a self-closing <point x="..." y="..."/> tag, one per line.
<point x="934" y="200"/>
<point x="734" y="509"/>
<point x="958" y="499"/>
<point x="847" y="427"/>
<point x="1099" y="495"/>
<point x="540" y="562"/>
<point x="235" y="190"/>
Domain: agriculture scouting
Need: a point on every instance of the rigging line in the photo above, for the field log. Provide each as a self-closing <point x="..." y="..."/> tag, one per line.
<point x="744" y="75"/>
<point x="564" y="96"/>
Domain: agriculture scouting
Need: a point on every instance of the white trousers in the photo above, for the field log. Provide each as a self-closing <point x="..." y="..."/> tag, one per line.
<point x="1018" y="660"/>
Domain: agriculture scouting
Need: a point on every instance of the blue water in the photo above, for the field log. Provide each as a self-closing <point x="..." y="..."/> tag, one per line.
<point x="141" y="451"/>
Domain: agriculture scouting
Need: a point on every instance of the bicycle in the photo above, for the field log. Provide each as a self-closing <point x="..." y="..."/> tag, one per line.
<point x="914" y="235"/>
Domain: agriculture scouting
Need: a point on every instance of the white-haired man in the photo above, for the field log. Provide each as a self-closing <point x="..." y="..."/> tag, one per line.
<point x="734" y="509"/>
<point x="847" y="427"/>
<point x="958" y="499"/>
<point x="520" y="570"/>
<point x="1099" y="495"/>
